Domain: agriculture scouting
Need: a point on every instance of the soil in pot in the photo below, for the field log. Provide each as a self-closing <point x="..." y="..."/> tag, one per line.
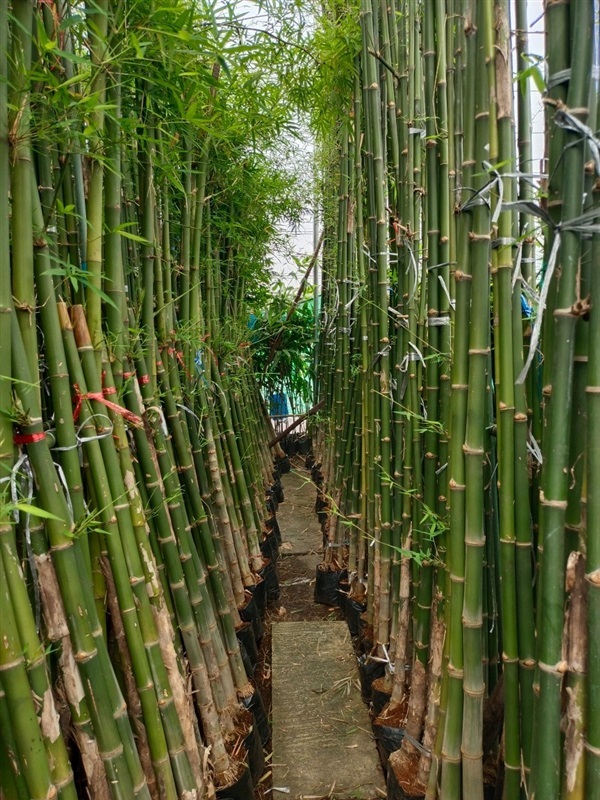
<point x="402" y="782"/>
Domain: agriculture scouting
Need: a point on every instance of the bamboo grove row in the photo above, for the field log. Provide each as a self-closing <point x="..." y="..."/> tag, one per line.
<point x="134" y="464"/>
<point x="459" y="361"/>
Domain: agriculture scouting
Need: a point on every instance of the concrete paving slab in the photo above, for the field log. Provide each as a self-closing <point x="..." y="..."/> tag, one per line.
<point x="297" y="519"/>
<point x="322" y="741"/>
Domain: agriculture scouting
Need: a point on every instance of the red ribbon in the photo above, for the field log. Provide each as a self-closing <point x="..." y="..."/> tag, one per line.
<point x="29" y="438"/>
<point x="143" y="380"/>
<point x="182" y="364"/>
<point x="179" y="356"/>
<point x="99" y="398"/>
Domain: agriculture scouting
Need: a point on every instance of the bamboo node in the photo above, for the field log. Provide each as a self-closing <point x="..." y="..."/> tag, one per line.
<point x="554" y="669"/>
<point x="559" y="504"/>
<point x="594" y="577"/>
<point x="85" y="655"/>
<point x="459" y="275"/>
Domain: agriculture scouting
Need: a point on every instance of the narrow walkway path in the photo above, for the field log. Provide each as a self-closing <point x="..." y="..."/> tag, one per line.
<point x="322" y="741"/>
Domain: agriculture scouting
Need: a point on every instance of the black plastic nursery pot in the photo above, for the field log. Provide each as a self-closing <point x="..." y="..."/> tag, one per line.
<point x="278" y="491"/>
<point x="256" y="754"/>
<point x="248" y="649"/>
<point x="368" y="671"/>
<point x="388" y="739"/>
<point x="283" y="465"/>
<point x="259" y="591"/>
<point x="326" y="585"/>
<point x="304" y="446"/>
<point x="272" y="502"/>
<point x="322" y="517"/>
<point x="251" y="612"/>
<point x="248" y="666"/>
<point x="290" y="446"/>
<point x="343" y="591"/>
<point x="273" y="525"/>
<point x="269" y="575"/>
<point x="354" y="611"/>
<point x="242" y="787"/>
<point x="269" y="546"/>
<point x="254" y="703"/>
<point x="380" y="697"/>
<point x="320" y="503"/>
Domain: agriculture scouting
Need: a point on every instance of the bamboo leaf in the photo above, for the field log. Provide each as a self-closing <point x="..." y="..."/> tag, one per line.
<point x="35" y="511"/>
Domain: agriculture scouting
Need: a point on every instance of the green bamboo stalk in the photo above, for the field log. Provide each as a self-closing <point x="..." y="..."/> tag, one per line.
<point x="473" y="681"/>
<point x="114" y="281"/>
<point x="195" y="582"/>
<point x="36" y="666"/>
<point x="105" y="703"/>
<point x="545" y="775"/>
<point x="12" y="781"/>
<point x="453" y="712"/>
<point x="592" y="568"/>
<point x="122" y="504"/>
<point x="505" y="412"/>
<point x="378" y="213"/>
<point x="523" y="526"/>
<point x="6" y="303"/>
<point x="97" y="17"/>
<point x="19" y="700"/>
<point x="21" y="157"/>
